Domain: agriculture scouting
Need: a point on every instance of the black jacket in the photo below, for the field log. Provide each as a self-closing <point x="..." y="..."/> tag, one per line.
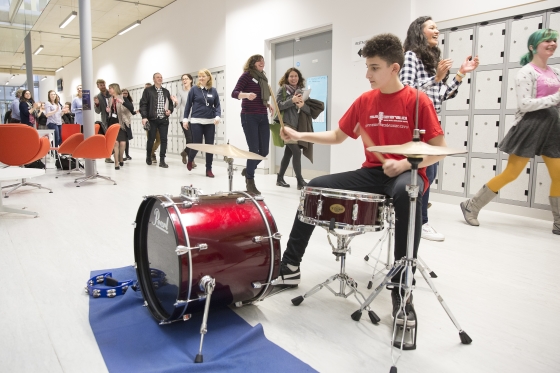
<point x="148" y="102"/>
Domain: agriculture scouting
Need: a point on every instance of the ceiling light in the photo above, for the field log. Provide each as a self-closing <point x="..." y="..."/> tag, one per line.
<point x="59" y="69"/>
<point x="13" y="76"/>
<point x="129" y="27"/>
<point x="23" y="67"/>
<point x="7" y="82"/>
<point x="38" y="50"/>
<point x="68" y="19"/>
<point x="43" y="78"/>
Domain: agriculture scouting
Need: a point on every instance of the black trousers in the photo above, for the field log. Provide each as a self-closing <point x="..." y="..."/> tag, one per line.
<point x="161" y="125"/>
<point x="369" y="180"/>
<point x="188" y="137"/>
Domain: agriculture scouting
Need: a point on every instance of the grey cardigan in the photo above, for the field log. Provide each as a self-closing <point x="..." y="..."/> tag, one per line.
<point x="290" y="115"/>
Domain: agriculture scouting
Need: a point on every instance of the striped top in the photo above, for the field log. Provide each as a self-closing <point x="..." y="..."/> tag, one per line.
<point x="247" y="84"/>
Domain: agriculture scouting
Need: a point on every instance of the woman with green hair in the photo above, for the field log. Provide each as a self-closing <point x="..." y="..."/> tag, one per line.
<point x="536" y="129"/>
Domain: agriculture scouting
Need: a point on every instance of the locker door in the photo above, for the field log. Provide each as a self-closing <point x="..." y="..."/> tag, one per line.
<point x="456" y="128"/>
<point x="542" y="185"/>
<point x="485" y="134"/>
<point x="488" y="89"/>
<point x="491" y="42"/>
<point x="517" y="190"/>
<point x="453" y="174"/>
<point x="460" y="46"/>
<point x="554" y="21"/>
<point x="520" y="31"/>
<point x="481" y="171"/>
<point x="461" y="101"/>
<point x="511" y="93"/>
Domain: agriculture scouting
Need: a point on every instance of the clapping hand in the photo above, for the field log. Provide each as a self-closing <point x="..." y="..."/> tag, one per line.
<point x="470" y="64"/>
<point x="442" y="69"/>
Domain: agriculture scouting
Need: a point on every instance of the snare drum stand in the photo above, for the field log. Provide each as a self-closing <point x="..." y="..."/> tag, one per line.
<point x="339" y="251"/>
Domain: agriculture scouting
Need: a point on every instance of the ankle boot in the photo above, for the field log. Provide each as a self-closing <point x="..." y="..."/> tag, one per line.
<point x="251" y="188"/>
<point x="280" y="181"/>
<point x="300" y="183"/>
<point x="555" y="205"/>
<point x="472" y="207"/>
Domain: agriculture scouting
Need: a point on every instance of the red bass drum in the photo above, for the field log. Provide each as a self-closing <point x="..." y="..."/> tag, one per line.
<point x="231" y="237"/>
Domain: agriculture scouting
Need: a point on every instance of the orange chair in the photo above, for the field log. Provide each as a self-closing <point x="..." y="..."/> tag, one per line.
<point x="68" y="147"/>
<point x="97" y="127"/>
<point x="97" y="147"/>
<point x="20" y="144"/>
<point x="68" y="130"/>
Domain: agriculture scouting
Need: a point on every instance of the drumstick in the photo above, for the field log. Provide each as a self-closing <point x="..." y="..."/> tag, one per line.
<point x="368" y="141"/>
<point x="273" y="96"/>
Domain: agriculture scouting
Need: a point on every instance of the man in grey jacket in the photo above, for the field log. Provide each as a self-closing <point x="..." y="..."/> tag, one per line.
<point x="15" y="107"/>
<point x="100" y="102"/>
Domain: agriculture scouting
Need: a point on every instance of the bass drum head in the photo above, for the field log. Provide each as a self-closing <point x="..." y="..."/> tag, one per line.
<point x="157" y="264"/>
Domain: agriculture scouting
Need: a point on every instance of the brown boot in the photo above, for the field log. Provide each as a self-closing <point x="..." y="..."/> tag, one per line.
<point x="472" y="207"/>
<point x="555" y="206"/>
<point x="251" y="188"/>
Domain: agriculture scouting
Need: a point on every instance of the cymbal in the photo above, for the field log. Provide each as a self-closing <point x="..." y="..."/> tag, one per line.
<point x="415" y="148"/>
<point x="226" y="150"/>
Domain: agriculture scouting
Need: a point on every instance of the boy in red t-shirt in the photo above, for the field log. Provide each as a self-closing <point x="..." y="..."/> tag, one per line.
<point x="386" y="115"/>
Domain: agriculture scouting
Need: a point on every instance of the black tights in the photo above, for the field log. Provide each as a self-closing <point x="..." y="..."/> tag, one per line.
<point x="295" y="151"/>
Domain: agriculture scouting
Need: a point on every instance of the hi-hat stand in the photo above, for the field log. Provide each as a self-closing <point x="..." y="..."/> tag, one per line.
<point x="339" y="251"/>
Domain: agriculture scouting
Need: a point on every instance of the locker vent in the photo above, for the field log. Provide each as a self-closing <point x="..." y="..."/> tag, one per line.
<point x="503" y="31"/>
<point x="469" y="81"/>
<point x="495" y="144"/>
<point x="526" y="192"/>
<point x="464" y="165"/>
<point x="465" y="143"/>
<point x="442" y="41"/>
<point x="468" y="101"/>
<point x="462" y="185"/>
<point x="467" y="123"/>
<point x="500" y="78"/>
<point x="499" y="100"/>
<point x="540" y="26"/>
<point x="472" y="36"/>
<point x="497" y="123"/>
<point x="528" y="171"/>
<point x="494" y="167"/>
<point x="502" y="54"/>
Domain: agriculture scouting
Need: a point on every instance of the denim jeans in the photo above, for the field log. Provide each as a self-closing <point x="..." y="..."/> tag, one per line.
<point x="198" y="131"/>
<point x="431" y="172"/>
<point x="56" y="128"/>
<point x="257" y="134"/>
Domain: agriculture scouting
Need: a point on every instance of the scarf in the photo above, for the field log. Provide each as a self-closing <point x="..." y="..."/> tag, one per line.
<point x="290" y="89"/>
<point x="263" y="83"/>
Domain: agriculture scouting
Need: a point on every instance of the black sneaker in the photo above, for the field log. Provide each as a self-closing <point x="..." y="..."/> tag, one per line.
<point x="163" y="164"/>
<point x="149" y="161"/>
<point x="109" y="160"/>
<point x="397" y="300"/>
<point x="287" y="276"/>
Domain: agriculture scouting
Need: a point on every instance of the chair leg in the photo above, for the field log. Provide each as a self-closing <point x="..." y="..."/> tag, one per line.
<point x="96" y="176"/>
<point x="17" y="211"/>
<point x="23" y="183"/>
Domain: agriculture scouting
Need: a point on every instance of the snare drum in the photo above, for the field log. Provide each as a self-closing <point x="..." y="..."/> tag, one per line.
<point x="231" y="237"/>
<point x="342" y="209"/>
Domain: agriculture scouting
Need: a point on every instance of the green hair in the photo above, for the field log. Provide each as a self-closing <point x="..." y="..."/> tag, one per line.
<point x="535" y="39"/>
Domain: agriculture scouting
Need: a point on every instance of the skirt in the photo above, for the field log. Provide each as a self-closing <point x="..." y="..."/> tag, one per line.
<point x="537" y="133"/>
<point x="122" y="136"/>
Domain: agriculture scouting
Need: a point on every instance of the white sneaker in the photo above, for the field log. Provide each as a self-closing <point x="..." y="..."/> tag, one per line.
<point x="430" y="233"/>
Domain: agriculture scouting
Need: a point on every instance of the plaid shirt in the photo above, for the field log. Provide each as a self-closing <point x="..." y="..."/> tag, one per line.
<point x="414" y="72"/>
<point x="160" y="103"/>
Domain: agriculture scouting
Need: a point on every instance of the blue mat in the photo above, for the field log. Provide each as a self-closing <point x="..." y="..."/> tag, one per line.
<point x="131" y="340"/>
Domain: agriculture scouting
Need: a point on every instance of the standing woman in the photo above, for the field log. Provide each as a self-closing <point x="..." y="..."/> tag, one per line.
<point x="203" y="104"/>
<point x="252" y="88"/>
<point x="53" y="113"/>
<point x="119" y="112"/>
<point x="290" y="104"/>
<point x="536" y="129"/>
<point x="424" y="68"/>
<point x="41" y="117"/>
<point x="77" y="107"/>
<point x="180" y="101"/>
<point x="127" y="97"/>
<point x="26" y="108"/>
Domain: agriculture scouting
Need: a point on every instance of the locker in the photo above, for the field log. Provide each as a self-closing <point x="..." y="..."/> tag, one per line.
<point x="554" y="21"/>
<point x="488" y="89"/>
<point x="456" y="131"/>
<point x="461" y="101"/>
<point x="434" y="185"/>
<point x="453" y="174"/>
<point x="511" y="93"/>
<point x="460" y="46"/>
<point x="482" y="170"/>
<point x="542" y="185"/>
<point x="520" y="31"/>
<point x="517" y="190"/>
<point x="509" y="119"/>
<point x="491" y="42"/>
<point x="485" y="134"/>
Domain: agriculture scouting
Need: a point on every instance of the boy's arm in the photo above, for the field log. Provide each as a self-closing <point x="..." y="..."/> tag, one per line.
<point x="329" y="137"/>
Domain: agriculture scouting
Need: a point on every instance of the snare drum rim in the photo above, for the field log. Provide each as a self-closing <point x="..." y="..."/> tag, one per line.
<point x="343" y="194"/>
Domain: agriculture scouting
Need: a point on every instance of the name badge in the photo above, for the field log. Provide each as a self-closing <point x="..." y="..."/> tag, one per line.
<point x="255" y="80"/>
<point x="209" y="95"/>
<point x="114" y="115"/>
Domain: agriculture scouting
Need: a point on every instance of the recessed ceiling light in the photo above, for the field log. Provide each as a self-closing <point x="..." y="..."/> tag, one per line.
<point x="38" y="50"/>
<point x="129" y="27"/>
<point x="68" y="19"/>
<point x="13" y="76"/>
<point x="59" y="69"/>
<point x="43" y="78"/>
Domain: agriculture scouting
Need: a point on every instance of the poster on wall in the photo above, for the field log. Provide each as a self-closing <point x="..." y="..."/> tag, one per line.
<point x="86" y="99"/>
<point x="319" y="89"/>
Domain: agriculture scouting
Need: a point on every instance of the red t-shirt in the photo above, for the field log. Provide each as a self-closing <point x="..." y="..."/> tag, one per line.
<point x="388" y="119"/>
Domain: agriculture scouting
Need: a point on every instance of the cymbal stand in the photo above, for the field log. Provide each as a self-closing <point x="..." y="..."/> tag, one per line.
<point x="230" y="170"/>
<point x="207" y="284"/>
<point x="339" y="251"/>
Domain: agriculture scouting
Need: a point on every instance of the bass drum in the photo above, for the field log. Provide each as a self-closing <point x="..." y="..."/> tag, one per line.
<point x="231" y="237"/>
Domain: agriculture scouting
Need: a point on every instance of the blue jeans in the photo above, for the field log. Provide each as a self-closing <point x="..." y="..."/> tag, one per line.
<point x="56" y="128"/>
<point x="199" y="130"/>
<point x="257" y="134"/>
<point x="431" y="172"/>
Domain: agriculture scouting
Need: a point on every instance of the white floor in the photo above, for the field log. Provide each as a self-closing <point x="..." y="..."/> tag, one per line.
<point x="498" y="279"/>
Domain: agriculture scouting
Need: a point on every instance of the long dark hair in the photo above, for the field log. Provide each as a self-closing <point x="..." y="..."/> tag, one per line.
<point x="416" y="42"/>
<point x="22" y="97"/>
<point x="127" y="96"/>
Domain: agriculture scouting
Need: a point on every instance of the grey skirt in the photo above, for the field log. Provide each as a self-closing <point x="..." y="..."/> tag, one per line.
<point x="537" y="133"/>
